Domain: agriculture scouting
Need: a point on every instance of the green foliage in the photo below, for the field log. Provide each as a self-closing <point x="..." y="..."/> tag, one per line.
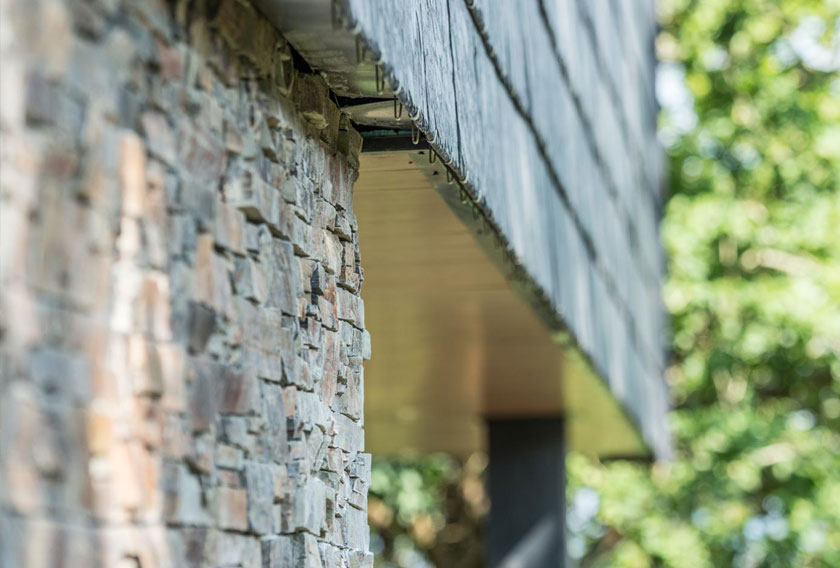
<point x="427" y="511"/>
<point x="752" y="229"/>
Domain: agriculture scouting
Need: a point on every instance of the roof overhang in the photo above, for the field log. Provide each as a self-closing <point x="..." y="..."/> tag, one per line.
<point x="611" y="392"/>
<point x="453" y="341"/>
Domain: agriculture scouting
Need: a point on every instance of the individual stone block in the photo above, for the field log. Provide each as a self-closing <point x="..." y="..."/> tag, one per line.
<point x="311" y="331"/>
<point x="219" y="388"/>
<point x="155" y="228"/>
<point x="268" y="348"/>
<point x="235" y="432"/>
<point x="239" y="392"/>
<point x="355" y="529"/>
<point x="284" y="70"/>
<point x="248" y="34"/>
<point x="349" y="277"/>
<point x="152" y="306"/>
<point x="228" y="457"/>
<point x="325" y="217"/>
<point x="340" y="182"/>
<point x="182" y="492"/>
<point x="277" y="257"/>
<point x="308" y="411"/>
<point x="249" y="280"/>
<point x="307" y="554"/>
<point x="350" y="308"/>
<point x="328" y="362"/>
<point x="176" y="437"/>
<point x="359" y="559"/>
<point x="230" y="508"/>
<point x="360" y="467"/>
<point x="278" y="551"/>
<point x="332" y="264"/>
<point x="244" y="189"/>
<point x="201" y="323"/>
<point x="349" y="434"/>
<point x="41" y="101"/>
<point x="343" y="226"/>
<point x="172" y="360"/>
<point x="331" y="556"/>
<point x="228" y="228"/>
<point x="298" y="458"/>
<point x="252" y="237"/>
<point x="334" y="462"/>
<point x="201" y="155"/>
<point x="259" y="480"/>
<point x="65" y="374"/>
<point x="265" y="139"/>
<point x="171" y="58"/>
<point x="144" y="365"/>
<point x="350" y="144"/>
<point x="23" y="424"/>
<point x="199" y="200"/>
<point x="182" y="237"/>
<point x="160" y="139"/>
<point x="316" y="447"/>
<point x="187" y="546"/>
<point x="203" y="402"/>
<point x="306" y="507"/>
<point x="207" y="108"/>
<point x="311" y="96"/>
<point x="366" y="346"/>
<point x="281" y="481"/>
<point x="304" y="237"/>
<point x="14" y="223"/>
<point x="65" y="267"/>
<point x="351" y="400"/>
<point x="212" y="282"/>
<point x="318" y="279"/>
<point x="330" y="133"/>
<point x="33" y="543"/>
<point x="232" y="549"/>
<point x="133" y="174"/>
<point x="328" y="313"/>
<point x="358" y="495"/>
<point x="153" y="14"/>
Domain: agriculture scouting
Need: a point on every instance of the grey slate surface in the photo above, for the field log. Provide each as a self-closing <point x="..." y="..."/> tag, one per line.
<point x="546" y="107"/>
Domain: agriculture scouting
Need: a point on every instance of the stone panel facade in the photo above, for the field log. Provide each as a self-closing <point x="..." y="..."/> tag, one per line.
<point x="522" y="101"/>
<point x="181" y="332"/>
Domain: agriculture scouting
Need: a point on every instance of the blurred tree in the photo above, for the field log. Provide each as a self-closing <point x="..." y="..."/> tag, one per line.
<point x="750" y="91"/>
<point x="428" y="511"/>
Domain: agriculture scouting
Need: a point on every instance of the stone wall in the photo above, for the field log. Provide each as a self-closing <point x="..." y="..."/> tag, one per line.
<point x="181" y="333"/>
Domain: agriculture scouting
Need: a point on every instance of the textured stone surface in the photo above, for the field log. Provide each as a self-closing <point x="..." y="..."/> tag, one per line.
<point x="546" y="108"/>
<point x="181" y="333"/>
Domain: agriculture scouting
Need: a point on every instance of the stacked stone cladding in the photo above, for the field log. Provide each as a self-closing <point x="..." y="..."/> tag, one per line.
<point x="181" y="332"/>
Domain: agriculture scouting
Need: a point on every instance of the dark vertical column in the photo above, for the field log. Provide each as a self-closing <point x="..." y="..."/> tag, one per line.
<point x="527" y="493"/>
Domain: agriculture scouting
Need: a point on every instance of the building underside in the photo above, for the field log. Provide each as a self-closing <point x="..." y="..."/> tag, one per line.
<point x="453" y="342"/>
<point x="511" y="255"/>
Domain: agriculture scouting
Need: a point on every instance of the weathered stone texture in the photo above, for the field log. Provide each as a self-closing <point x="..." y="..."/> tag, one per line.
<point x="566" y="89"/>
<point x="181" y="332"/>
